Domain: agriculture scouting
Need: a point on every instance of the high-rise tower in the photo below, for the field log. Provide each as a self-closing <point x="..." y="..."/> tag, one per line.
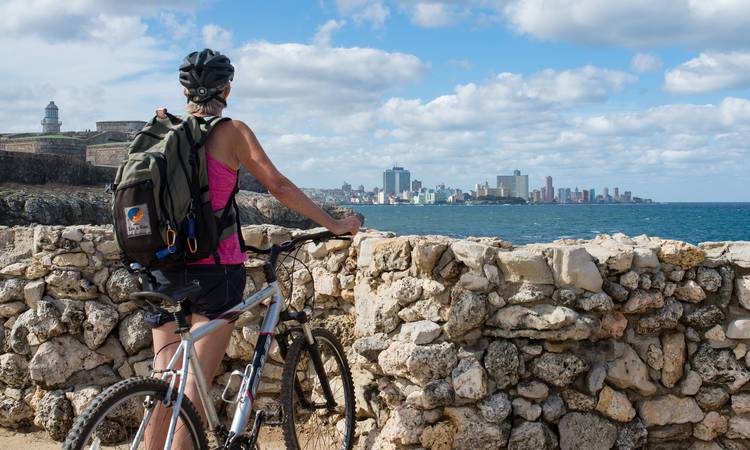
<point x="51" y="123"/>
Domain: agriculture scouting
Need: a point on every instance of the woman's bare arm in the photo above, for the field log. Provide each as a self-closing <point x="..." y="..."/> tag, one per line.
<point x="251" y="155"/>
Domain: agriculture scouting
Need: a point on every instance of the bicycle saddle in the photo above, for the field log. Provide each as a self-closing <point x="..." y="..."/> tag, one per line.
<point x="170" y="294"/>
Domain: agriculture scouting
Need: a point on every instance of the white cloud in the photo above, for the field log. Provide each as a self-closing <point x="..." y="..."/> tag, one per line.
<point x="710" y="71"/>
<point x="216" y="37"/>
<point x="323" y="35"/>
<point x="320" y="78"/>
<point x="633" y="23"/>
<point x="54" y="20"/>
<point x="433" y="15"/>
<point x="644" y="62"/>
<point x="373" y="12"/>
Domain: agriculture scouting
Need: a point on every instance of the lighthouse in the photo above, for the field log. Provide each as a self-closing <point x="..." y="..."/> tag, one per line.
<point x="51" y="123"/>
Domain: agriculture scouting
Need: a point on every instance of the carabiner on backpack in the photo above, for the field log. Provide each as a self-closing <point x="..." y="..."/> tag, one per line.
<point x="191" y="240"/>
<point x="171" y="238"/>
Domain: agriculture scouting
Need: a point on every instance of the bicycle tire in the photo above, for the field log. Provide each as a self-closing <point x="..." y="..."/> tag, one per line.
<point x="288" y="392"/>
<point x="116" y="395"/>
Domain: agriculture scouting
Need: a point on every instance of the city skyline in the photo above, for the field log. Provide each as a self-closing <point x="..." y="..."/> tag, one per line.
<point x="604" y="93"/>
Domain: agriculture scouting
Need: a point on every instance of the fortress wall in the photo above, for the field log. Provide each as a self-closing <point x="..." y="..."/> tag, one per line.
<point x="36" y="168"/>
<point x="111" y="155"/>
<point x="616" y="342"/>
<point x="73" y="148"/>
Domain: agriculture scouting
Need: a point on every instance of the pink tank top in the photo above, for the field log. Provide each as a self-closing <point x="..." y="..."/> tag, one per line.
<point x="221" y="180"/>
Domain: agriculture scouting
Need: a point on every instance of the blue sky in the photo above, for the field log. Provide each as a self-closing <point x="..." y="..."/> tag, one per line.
<point x="648" y="96"/>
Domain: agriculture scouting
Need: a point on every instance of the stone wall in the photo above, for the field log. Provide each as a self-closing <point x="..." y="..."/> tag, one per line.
<point x="49" y="145"/>
<point x="27" y="168"/>
<point x="612" y="343"/>
<point x="112" y="154"/>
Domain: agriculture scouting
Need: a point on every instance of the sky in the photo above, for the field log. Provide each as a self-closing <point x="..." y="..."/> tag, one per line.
<point x="653" y="97"/>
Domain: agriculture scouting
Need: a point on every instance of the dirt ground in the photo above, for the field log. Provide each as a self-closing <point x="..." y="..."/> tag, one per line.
<point x="271" y="439"/>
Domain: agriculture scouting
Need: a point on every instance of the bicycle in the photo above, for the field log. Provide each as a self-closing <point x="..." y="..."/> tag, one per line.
<point x="316" y="381"/>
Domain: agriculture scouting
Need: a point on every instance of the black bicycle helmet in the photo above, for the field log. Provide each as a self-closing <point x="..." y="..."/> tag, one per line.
<point x="205" y="74"/>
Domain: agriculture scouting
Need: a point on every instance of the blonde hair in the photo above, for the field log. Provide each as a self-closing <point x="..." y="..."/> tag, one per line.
<point x="212" y="107"/>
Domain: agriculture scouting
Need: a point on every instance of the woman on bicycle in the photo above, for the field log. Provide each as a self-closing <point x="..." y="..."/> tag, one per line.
<point x="206" y="77"/>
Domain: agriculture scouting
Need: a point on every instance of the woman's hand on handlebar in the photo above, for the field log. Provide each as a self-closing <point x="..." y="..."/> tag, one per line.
<point x="350" y="225"/>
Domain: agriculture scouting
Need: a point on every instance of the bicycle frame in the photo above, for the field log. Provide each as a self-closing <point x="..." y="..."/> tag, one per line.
<point x="251" y="377"/>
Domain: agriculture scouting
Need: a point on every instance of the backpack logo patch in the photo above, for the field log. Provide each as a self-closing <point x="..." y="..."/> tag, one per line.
<point x="136" y="220"/>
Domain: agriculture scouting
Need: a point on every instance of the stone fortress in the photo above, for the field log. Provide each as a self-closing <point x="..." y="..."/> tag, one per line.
<point x="106" y="146"/>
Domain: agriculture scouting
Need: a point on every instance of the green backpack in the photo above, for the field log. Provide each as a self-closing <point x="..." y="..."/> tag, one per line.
<point x="162" y="211"/>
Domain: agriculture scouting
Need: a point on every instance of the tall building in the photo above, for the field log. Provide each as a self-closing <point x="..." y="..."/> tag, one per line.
<point x="605" y="195"/>
<point x="617" y="194"/>
<point x="515" y="185"/>
<point x="416" y="185"/>
<point x="346" y="187"/>
<point x="561" y="196"/>
<point x="51" y="123"/>
<point x="585" y="198"/>
<point x="396" y="181"/>
<point x="549" y="190"/>
<point x="592" y="195"/>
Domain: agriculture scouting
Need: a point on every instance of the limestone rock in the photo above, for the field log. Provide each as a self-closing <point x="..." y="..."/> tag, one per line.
<point x="12" y="309"/>
<point x="532" y="436"/>
<point x="704" y="317"/>
<point x="645" y="258"/>
<point x="14" y="270"/>
<point x="11" y="289"/>
<point x="691" y="384"/>
<point x="578" y="401"/>
<point x="713" y="425"/>
<point x="14" y="412"/>
<point x="629" y="371"/>
<point x="404" y="426"/>
<point x="741" y="403"/>
<point x="525" y="265"/>
<point x="689" y="291"/>
<point x="709" y="279"/>
<point x="739" y="428"/>
<point x="680" y="253"/>
<point x="613" y="324"/>
<point x="537" y="317"/>
<point x="553" y="408"/>
<point x="673" y="346"/>
<point x="586" y="431"/>
<point x="502" y="362"/>
<point x="70" y="285"/>
<point x="473" y="254"/>
<point x="420" y="332"/>
<point x="101" y="319"/>
<point x="558" y="369"/>
<point x="739" y="329"/>
<point x="631" y="435"/>
<point x="495" y="408"/>
<point x="743" y="291"/>
<point x="469" y="379"/>
<point x="599" y="302"/>
<point x="33" y="292"/>
<point x="438" y="436"/>
<point x="468" y="311"/>
<point x="641" y="301"/>
<point x="391" y="254"/>
<point x="374" y="312"/>
<point x="615" y="405"/>
<point x="669" y="409"/>
<point x="474" y="432"/>
<point x="573" y="266"/>
<point x="426" y="253"/>
<point x="711" y="397"/>
<point x="525" y="409"/>
<point x="616" y="257"/>
<point x="36" y="326"/>
<point x="134" y="332"/>
<point x="71" y="260"/>
<point x="438" y="393"/>
<point x="81" y="398"/>
<point x="418" y="363"/>
<point x="54" y="414"/>
<point x="14" y="370"/>
<point x="58" y="359"/>
<point x="615" y="290"/>
<point x="720" y="366"/>
<point x="532" y="389"/>
<point x="664" y="319"/>
<point x="325" y="282"/>
<point x="629" y="280"/>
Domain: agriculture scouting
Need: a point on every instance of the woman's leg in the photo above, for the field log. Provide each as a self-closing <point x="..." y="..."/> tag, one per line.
<point x="209" y="351"/>
<point x="165" y="344"/>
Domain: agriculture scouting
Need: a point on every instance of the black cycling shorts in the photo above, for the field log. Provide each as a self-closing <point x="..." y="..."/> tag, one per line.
<point x="222" y="288"/>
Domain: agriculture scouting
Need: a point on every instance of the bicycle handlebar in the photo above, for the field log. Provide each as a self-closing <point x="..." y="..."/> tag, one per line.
<point x="292" y="243"/>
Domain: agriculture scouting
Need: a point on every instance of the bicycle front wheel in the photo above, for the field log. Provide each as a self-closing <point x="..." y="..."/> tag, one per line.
<point x="308" y="422"/>
<point x="114" y="418"/>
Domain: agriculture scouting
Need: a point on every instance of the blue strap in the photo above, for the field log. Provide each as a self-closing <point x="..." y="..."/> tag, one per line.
<point x="191" y="227"/>
<point x="161" y="254"/>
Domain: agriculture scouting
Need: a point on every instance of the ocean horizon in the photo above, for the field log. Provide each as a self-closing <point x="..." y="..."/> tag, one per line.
<point x="693" y="222"/>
